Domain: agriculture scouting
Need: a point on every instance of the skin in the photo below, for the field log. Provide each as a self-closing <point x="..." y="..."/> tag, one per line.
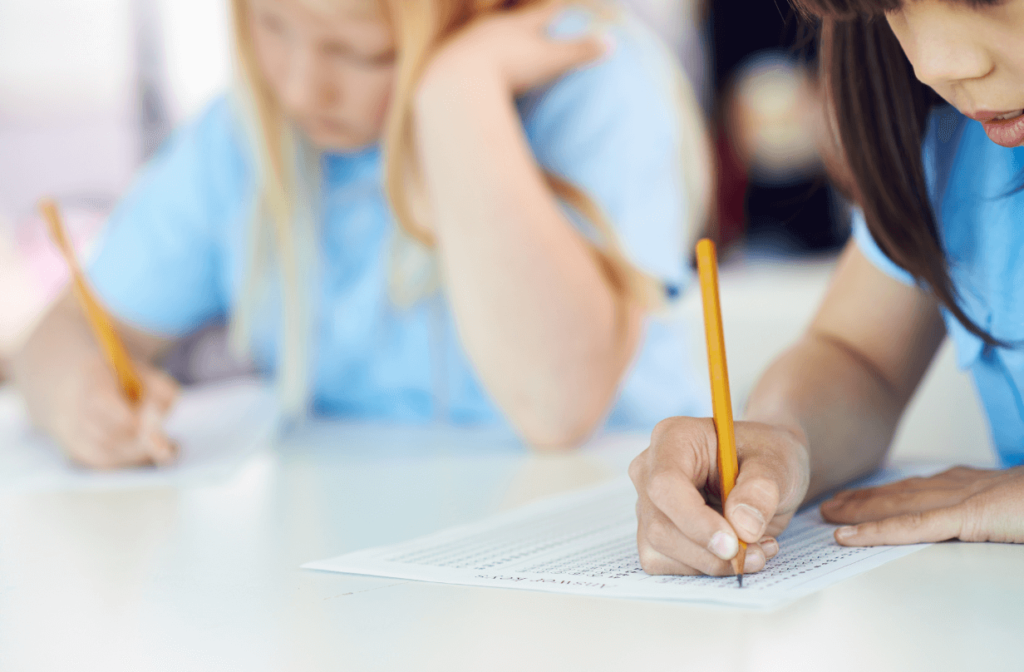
<point x="826" y="410"/>
<point x="535" y="313"/>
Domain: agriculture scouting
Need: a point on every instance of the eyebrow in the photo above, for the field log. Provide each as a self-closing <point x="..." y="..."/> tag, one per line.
<point x="340" y="47"/>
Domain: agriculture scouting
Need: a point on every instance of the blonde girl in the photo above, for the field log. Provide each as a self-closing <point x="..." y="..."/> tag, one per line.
<point x="408" y="210"/>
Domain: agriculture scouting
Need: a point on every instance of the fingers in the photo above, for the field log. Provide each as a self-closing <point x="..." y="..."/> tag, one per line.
<point x="105" y="431"/>
<point x="161" y="391"/>
<point x="541" y="14"/>
<point x="568" y="48"/>
<point x="664" y="550"/>
<point x="683" y="506"/>
<point x="160" y="388"/>
<point x="868" y="506"/>
<point x="669" y="476"/>
<point x="943" y="490"/>
<point x="754" y="500"/>
<point x="568" y="54"/>
<point x="910" y="528"/>
<point x="678" y="533"/>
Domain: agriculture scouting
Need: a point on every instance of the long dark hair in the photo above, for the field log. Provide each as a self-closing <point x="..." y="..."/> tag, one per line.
<point x="878" y="109"/>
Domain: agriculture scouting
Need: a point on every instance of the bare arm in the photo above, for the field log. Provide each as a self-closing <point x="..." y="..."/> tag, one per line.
<point x="535" y="312"/>
<point x="73" y="396"/>
<point x="845" y="384"/>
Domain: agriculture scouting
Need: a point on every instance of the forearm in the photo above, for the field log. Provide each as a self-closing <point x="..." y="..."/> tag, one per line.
<point x="60" y="345"/>
<point x="535" y="313"/>
<point x="842" y="410"/>
<point x="60" y="342"/>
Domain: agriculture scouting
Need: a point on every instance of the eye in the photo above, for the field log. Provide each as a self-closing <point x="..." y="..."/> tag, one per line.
<point x="345" y="53"/>
<point x="272" y="23"/>
<point x="381" y="60"/>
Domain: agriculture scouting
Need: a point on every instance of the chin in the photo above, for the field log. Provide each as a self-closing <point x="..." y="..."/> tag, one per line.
<point x="339" y="142"/>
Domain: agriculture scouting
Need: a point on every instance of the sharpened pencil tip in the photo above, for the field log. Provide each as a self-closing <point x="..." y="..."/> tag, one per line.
<point x="739" y="579"/>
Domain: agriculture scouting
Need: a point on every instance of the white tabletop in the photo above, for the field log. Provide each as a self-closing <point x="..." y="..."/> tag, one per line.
<point x="206" y="576"/>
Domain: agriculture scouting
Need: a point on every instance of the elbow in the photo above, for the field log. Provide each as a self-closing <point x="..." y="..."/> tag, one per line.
<point x="547" y="431"/>
<point x="556" y="439"/>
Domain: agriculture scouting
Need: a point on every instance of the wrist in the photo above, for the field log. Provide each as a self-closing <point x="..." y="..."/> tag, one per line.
<point x="457" y="72"/>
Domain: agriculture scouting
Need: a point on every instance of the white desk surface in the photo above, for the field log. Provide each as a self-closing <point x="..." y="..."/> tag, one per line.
<point x="206" y="577"/>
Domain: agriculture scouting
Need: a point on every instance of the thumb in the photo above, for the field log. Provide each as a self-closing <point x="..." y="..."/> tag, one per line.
<point x="754" y="500"/>
<point x="155" y="443"/>
<point x="577" y="52"/>
<point x="160" y="389"/>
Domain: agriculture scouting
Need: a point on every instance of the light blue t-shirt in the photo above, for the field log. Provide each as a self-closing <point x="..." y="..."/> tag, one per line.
<point x="174" y="249"/>
<point x="973" y="185"/>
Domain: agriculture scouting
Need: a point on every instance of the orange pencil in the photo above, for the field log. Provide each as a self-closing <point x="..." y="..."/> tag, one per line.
<point x="100" y="322"/>
<point x="721" y="400"/>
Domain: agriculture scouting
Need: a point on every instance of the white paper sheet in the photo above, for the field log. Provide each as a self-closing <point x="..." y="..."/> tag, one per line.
<point x="216" y="426"/>
<point x="585" y="543"/>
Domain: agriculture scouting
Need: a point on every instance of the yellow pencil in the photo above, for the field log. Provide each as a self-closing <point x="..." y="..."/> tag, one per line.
<point x="721" y="400"/>
<point x="100" y="322"/>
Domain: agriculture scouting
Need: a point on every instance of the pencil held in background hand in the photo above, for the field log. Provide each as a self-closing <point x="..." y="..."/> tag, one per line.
<point x="721" y="399"/>
<point x="114" y="350"/>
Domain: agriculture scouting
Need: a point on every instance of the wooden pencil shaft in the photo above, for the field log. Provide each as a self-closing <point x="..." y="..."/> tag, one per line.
<point x="721" y="399"/>
<point x="111" y="345"/>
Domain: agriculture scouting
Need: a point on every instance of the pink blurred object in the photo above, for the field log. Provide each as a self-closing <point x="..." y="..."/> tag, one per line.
<point x="47" y="268"/>
<point x="33" y="274"/>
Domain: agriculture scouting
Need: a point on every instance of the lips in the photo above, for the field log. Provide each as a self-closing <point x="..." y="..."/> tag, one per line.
<point x="988" y="115"/>
<point x="1003" y="128"/>
<point x="1008" y="132"/>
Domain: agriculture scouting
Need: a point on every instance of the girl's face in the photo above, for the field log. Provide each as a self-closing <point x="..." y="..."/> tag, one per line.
<point x="971" y="55"/>
<point x="330" y="65"/>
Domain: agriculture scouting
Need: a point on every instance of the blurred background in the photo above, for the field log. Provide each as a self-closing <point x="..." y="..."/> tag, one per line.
<point x="88" y="89"/>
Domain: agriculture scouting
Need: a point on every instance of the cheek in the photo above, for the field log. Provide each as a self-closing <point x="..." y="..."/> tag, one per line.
<point x="272" y="56"/>
<point x="372" y="96"/>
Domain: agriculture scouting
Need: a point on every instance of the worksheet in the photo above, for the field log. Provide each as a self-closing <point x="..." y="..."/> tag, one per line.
<point x="216" y="426"/>
<point x="585" y="543"/>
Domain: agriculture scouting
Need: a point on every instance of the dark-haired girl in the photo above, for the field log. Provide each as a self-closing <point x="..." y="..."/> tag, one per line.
<point x="926" y="98"/>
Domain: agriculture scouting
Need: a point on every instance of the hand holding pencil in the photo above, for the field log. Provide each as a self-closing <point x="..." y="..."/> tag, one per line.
<point x="105" y="409"/>
<point x="708" y="487"/>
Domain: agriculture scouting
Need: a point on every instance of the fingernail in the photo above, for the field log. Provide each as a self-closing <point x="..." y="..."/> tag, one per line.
<point x="754" y="561"/>
<point x="609" y="42"/>
<point x="845" y="532"/>
<point x="770" y="546"/>
<point x="748" y="519"/>
<point x="165" y="455"/>
<point x="724" y="545"/>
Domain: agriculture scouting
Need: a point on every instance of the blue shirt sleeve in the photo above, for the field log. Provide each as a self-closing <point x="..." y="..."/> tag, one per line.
<point x="871" y="250"/>
<point x="613" y="129"/>
<point x="160" y="255"/>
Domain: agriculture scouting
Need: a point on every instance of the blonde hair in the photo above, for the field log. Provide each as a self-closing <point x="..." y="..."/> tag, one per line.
<point x="287" y="181"/>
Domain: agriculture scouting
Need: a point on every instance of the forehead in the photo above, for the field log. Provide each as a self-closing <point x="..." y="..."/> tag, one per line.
<point x="329" y="11"/>
<point x="359" y="23"/>
<point x="354" y="9"/>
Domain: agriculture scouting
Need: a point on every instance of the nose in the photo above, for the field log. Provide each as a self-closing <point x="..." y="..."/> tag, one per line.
<point x="302" y="86"/>
<point x="937" y="45"/>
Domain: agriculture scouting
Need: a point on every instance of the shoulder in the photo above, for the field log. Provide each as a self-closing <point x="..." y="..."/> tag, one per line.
<point x="201" y="171"/>
<point x="196" y="181"/>
<point x="211" y="143"/>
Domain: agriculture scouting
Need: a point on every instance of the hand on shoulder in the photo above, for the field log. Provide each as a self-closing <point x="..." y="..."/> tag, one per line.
<point x="514" y="47"/>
